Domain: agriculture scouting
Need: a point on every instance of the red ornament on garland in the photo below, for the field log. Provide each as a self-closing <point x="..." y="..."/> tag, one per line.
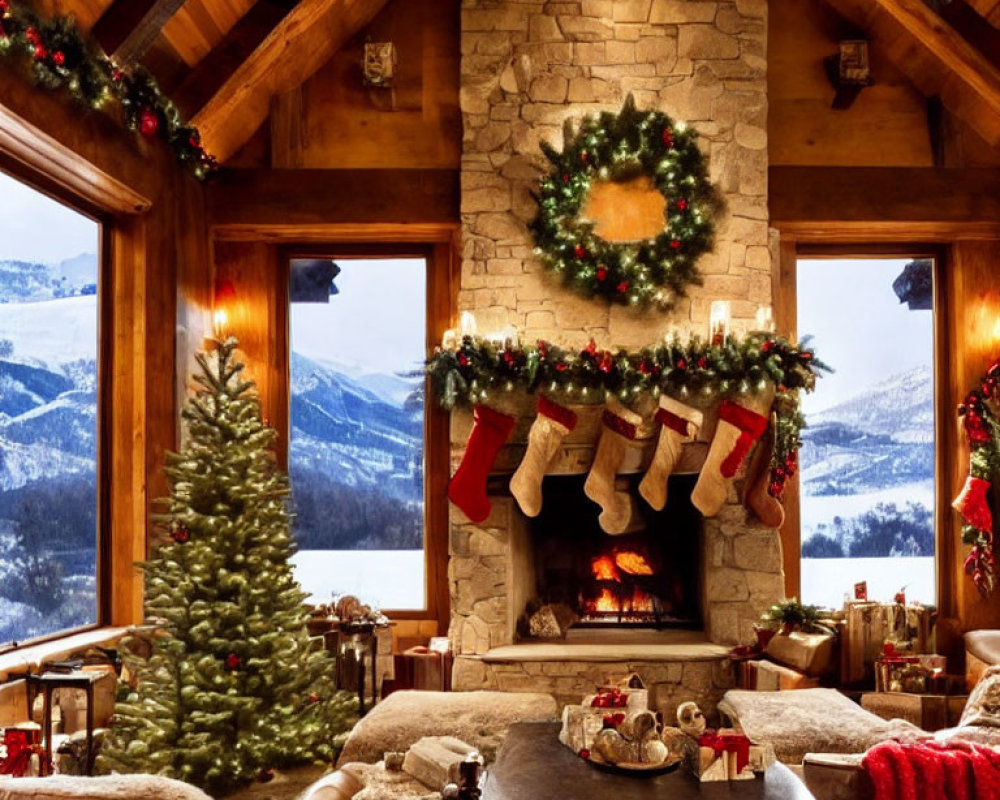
<point x="40" y="52"/>
<point x="233" y="662"/>
<point x="149" y="123"/>
<point x="602" y="273"/>
<point x="682" y="364"/>
<point x="682" y="204"/>
<point x="668" y="138"/>
<point x="675" y="244"/>
<point x="58" y="58"/>
<point x="181" y="535"/>
<point x="584" y="753"/>
<point x="579" y="251"/>
<point x="702" y="362"/>
<point x="117" y="75"/>
<point x="622" y="287"/>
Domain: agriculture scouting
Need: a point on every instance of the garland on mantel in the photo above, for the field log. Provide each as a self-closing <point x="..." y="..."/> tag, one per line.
<point x="472" y="370"/>
<point x="982" y="429"/>
<point x="59" y="56"/>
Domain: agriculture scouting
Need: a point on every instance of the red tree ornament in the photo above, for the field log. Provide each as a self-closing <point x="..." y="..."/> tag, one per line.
<point x="149" y="123"/>
<point x="578" y="251"/>
<point x="181" y="534"/>
<point x="58" y="58"/>
<point x="233" y="661"/>
<point x="622" y="287"/>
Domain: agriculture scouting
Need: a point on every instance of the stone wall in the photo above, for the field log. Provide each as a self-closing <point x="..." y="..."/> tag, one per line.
<point x="527" y="67"/>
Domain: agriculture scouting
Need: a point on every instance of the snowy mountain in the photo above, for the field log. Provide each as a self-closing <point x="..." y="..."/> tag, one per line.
<point x="881" y="438"/>
<point x="28" y="282"/>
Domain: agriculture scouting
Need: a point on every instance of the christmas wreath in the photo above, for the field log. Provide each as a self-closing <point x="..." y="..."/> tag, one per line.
<point x="982" y="429"/>
<point x="621" y="147"/>
<point x="58" y="56"/>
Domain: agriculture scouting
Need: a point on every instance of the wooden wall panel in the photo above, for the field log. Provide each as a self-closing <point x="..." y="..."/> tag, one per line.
<point x="339" y="123"/>
<point x="887" y="125"/>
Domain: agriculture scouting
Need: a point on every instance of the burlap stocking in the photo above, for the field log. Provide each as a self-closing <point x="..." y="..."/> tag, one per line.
<point x="738" y="428"/>
<point x="547" y="432"/>
<point x="617" y="434"/>
<point x="679" y="423"/>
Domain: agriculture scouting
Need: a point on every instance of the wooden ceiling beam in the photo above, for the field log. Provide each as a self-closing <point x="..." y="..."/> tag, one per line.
<point x="198" y="86"/>
<point x="903" y="204"/>
<point x="298" y="46"/>
<point x="934" y="56"/>
<point x="128" y="27"/>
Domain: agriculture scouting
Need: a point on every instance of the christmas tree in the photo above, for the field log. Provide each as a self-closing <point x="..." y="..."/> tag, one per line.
<point x="228" y="684"/>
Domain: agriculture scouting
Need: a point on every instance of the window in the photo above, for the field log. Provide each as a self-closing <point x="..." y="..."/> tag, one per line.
<point x="357" y="334"/>
<point x="49" y="280"/>
<point x="867" y="462"/>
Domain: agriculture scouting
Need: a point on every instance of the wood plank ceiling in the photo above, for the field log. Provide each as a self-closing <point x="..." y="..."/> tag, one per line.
<point x="223" y="60"/>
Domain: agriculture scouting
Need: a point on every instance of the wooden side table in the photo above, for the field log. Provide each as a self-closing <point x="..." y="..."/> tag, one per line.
<point x="932" y="712"/>
<point x="48" y="682"/>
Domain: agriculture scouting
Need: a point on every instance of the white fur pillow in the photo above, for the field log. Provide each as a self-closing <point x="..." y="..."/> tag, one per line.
<point x="104" y="787"/>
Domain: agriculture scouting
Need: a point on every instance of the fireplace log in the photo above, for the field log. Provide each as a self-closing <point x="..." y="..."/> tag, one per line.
<point x="551" y="621"/>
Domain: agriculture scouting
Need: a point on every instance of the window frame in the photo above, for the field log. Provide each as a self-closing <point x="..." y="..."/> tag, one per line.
<point x="53" y="189"/>
<point x="439" y="311"/>
<point x="786" y="318"/>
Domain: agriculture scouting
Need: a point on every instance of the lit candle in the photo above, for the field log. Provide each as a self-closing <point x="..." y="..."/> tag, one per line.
<point x="765" y="319"/>
<point x="718" y="322"/>
<point x="449" y="341"/>
<point x="467" y="326"/>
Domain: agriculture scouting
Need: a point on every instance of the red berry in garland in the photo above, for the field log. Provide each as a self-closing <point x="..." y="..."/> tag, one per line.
<point x="668" y="138"/>
<point x="681" y="364"/>
<point x="584" y="156"/>
<point x="233" y="662"/>
<point x="768" y="346"/>
<point x="117" y="75"/>
<point x="702" y="362"/>
<point x="622" y="287"/>
<point x="602" y="273"/>
<point x="682" y="204"/>
<point x="675" y="244"/>
<point x="579" y="251"/>
<point x="40" y="52"/>
<point x="58" y="58"/>
<point x="584" y="753"/>
<point x="149" y="123"/>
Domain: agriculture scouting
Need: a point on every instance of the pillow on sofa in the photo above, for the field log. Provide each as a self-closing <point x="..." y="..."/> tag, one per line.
<point x="104" y="787"/>
<point x="983" y="705"/>
<point x="480" y="719"/>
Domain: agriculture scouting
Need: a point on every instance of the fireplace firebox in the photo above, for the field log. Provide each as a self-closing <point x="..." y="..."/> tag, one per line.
<point x="649" y="577"/>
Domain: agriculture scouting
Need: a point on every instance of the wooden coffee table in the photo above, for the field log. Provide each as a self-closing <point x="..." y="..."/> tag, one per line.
<point x="533" y="764"/>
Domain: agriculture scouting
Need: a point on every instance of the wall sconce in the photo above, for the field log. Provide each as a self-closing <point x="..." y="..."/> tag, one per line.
<point x="223" y="296"/>
<point x="718" y="322"/>
<point x="849" y="71"/>
<point x="379" y="65"/>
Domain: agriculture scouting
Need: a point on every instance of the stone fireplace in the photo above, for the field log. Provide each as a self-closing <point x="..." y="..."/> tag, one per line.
<point x="528" y="67"/>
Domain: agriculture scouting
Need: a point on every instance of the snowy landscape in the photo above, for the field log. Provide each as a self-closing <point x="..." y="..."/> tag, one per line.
<point x="867" y="461"/>
<point x="48" y="446"/>
<point x="356" y="456"/>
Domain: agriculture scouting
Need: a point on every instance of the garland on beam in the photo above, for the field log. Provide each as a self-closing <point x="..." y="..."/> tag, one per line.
<point x="621" y="147"/>
<point x="982" y="429"/>
<point x="696" y="371"/>
<point x="58" y="56"/>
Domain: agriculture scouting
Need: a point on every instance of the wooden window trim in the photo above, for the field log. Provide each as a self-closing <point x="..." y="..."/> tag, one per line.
<point x="440" y="311"/>
<point x="60" y="187"/>
<point x="786" y="319"/>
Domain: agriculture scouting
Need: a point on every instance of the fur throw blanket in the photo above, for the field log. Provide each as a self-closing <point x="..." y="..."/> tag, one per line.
<point x="933" y="771"/>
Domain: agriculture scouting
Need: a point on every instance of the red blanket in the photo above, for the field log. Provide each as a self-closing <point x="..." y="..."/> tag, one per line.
<point x="933" y="771"/>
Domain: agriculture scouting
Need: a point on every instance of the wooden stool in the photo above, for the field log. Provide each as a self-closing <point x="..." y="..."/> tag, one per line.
<point x="47" y="682"/>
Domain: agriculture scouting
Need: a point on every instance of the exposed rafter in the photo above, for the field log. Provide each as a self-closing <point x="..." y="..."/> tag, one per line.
<point x="934" y="56"/>
<point x="298" y="46"/>
<point x="225" y="58"/>
<point x="128" y="27"/>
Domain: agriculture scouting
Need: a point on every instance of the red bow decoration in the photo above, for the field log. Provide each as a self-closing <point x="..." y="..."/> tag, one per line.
<point x="728" y="743"/>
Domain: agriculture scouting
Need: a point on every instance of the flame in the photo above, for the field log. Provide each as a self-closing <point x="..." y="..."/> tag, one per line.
<point x="633" y="563"/>
<point x="604" y="569"/>
<point x="606" y="602"/>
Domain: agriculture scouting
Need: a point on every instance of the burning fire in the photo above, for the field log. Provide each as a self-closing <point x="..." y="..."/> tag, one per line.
<point x="610" y="568"/>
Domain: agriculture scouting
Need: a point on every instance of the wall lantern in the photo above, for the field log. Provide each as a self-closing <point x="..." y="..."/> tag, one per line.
<point x="223" y="296"/>
<point x="379" y="65"/>
<point x="849" y="71"/>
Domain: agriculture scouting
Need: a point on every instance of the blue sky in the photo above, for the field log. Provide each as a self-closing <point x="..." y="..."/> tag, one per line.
<point x="375" y="324"/>
<point x="858" y="325"/>
<point x="35" y="228"/>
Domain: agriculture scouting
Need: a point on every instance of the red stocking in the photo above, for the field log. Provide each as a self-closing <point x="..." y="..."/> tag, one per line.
<point x="467" y="489"/>
<point x="971" y="503"/>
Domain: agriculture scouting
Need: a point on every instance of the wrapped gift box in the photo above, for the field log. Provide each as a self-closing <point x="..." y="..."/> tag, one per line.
<point x="727" y="755"/>
<point x="810" y="653"/>
<point x="766" y="676"/>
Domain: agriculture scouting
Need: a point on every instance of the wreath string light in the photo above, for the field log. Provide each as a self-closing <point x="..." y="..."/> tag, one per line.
<point x="473" y="370"/>
<point x="58" y="56"/>
<point x="621" y="147"/>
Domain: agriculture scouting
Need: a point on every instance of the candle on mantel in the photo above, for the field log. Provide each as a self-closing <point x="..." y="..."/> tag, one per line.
<point x="765" y="319"/>
<point x="450" y="340"/>
<point x="467" y="325"/>
<point x="718" y="322"/>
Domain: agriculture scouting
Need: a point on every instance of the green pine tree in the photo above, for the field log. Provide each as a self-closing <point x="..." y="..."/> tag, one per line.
<point x="228" y="683"/>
